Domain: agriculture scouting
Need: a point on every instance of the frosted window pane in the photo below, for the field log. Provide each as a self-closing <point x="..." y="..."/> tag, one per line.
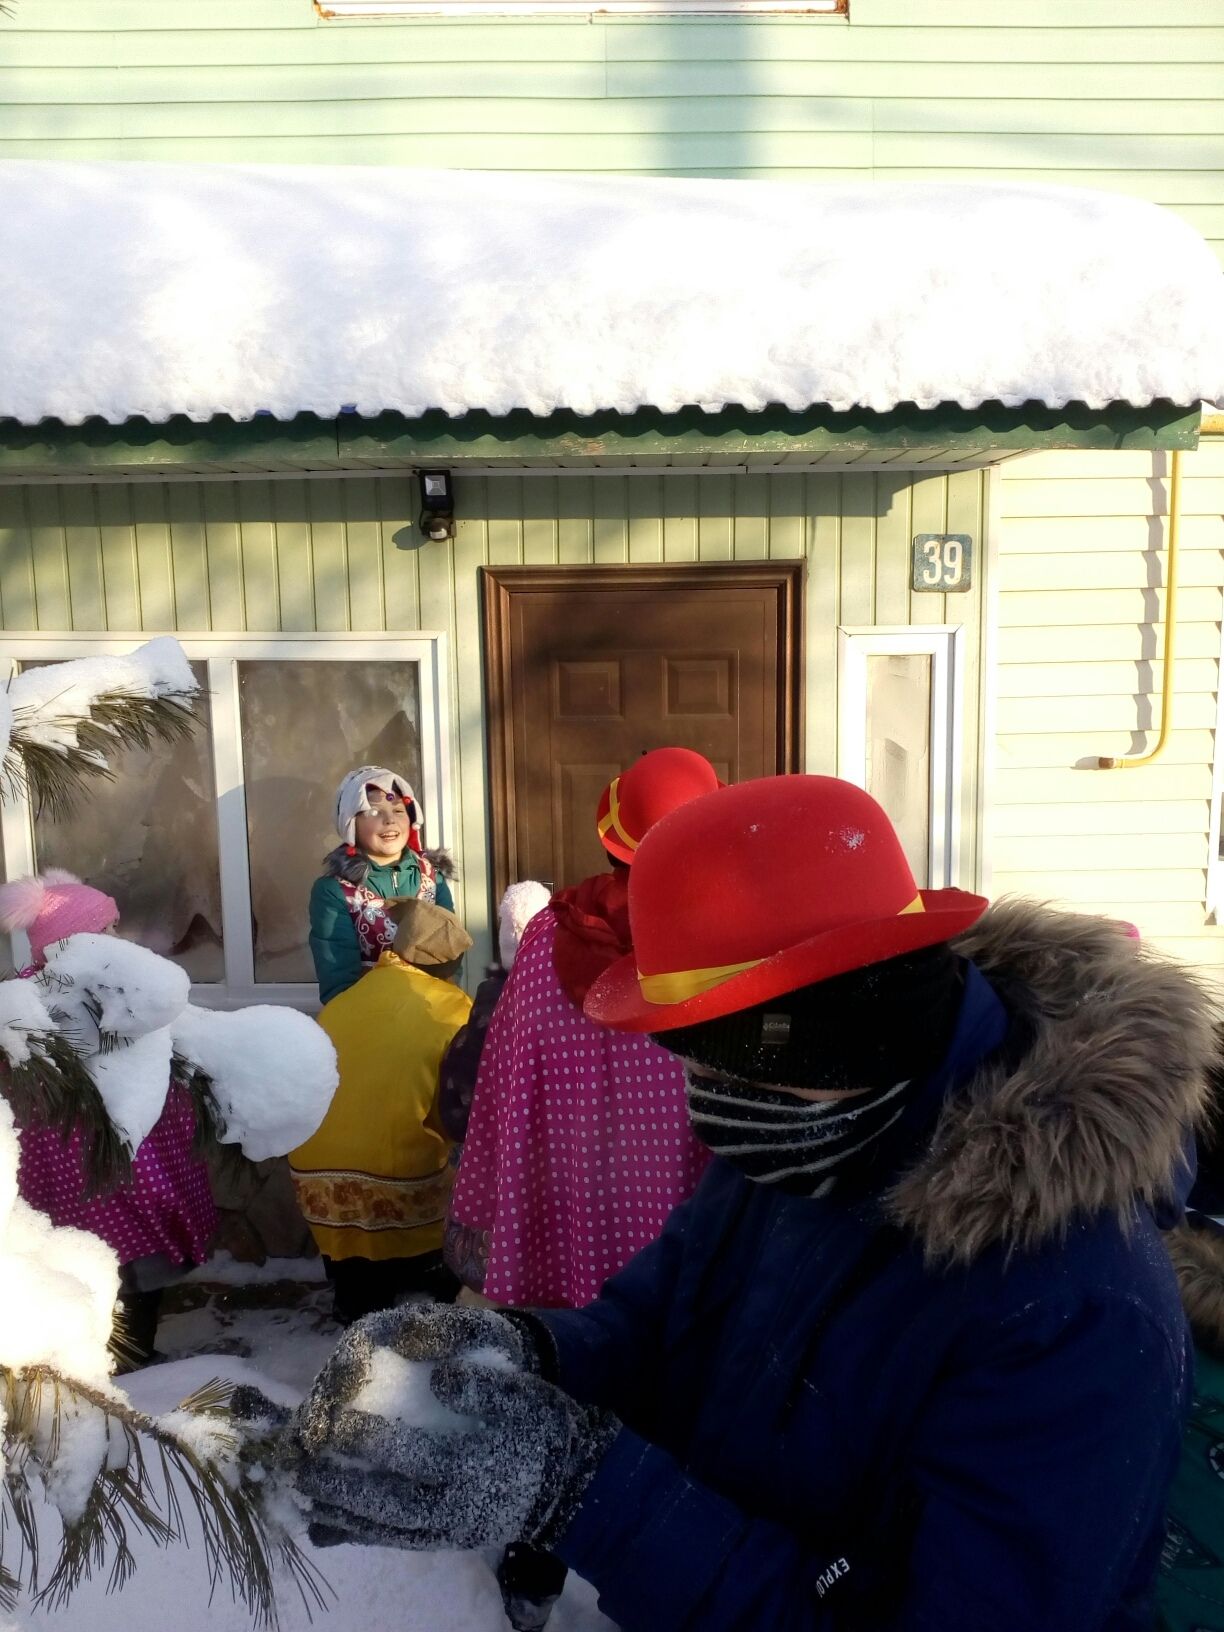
<point x="899" y="749"/>
<point x="304" y="727"/>
<point x="149" y="838"/>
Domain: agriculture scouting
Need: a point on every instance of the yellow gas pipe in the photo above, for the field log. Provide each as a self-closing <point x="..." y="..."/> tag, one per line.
<point x="1106" y="763"/>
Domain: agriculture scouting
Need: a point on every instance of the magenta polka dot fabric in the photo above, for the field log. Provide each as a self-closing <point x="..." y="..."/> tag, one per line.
<point x="166" y="1207"/>
<point x="578" y="1146"/>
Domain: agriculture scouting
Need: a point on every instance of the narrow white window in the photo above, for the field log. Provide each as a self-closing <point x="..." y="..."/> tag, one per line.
<point x="899" y="737"/>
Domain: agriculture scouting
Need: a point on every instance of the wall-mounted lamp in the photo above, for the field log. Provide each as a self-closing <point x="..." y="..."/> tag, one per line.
<point x="437" y="504"/>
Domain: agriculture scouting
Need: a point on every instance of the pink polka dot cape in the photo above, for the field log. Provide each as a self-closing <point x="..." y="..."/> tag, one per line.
<point x="166" y="1207"/>
<point x="578" y="1146"/>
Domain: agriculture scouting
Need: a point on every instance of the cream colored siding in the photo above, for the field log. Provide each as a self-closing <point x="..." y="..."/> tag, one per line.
<point x="1081" y="583"/>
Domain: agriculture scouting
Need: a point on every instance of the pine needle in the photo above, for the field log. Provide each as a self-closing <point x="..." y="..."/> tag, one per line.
<point x="106" y="1042"/>
<point x="54" y="1089"/>
<point x="10" y="1586"/>
<point x="53" y="777"/>
<point x="209" y="1121"/>
<point x="241" y="1548"/>
<point x="137" y="722"/>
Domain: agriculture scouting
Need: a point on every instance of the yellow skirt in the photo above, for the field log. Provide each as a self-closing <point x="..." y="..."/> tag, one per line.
<point x="364" y="1215"/>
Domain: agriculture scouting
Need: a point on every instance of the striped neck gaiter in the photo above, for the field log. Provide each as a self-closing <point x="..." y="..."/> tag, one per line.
<point x="798" y="1145"/>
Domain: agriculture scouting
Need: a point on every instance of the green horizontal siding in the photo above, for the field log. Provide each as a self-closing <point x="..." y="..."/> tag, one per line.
<point x="296" y="556"/>
<point x="1126" y="95"/>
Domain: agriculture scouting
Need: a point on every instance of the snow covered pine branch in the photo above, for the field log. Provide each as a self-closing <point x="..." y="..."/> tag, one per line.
<point x="58" y="723"/>
<point x="92" y="1043"/>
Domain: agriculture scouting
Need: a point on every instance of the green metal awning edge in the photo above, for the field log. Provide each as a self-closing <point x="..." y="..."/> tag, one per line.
<point x="349" y="442"/>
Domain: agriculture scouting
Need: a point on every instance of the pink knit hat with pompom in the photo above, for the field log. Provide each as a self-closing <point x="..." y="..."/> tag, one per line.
<point x="52" y="907"/>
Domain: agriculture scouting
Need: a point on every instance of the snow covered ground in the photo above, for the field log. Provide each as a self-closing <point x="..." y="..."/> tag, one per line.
<point x="284" y="1333"/>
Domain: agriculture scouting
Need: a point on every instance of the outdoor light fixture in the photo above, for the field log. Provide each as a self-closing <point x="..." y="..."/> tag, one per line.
<point x="437" y="504"/>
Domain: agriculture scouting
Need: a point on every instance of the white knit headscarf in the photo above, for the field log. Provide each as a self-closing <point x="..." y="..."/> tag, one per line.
<point x="351" y="801"/>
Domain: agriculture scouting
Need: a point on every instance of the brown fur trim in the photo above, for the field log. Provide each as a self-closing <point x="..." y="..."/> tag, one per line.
<point x="1092" y="1117"/>
<point x="1198" y="1258"/>
<point x="443" y="863"/>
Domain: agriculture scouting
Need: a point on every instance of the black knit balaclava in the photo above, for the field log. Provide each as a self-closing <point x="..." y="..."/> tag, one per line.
<point x="873" y="1034"/>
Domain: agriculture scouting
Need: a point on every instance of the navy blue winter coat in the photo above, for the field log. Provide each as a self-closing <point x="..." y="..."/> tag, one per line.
<point x="951" y="1400"/>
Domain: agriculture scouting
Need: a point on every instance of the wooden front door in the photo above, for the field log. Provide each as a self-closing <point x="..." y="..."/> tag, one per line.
<point x="586" y="668"/>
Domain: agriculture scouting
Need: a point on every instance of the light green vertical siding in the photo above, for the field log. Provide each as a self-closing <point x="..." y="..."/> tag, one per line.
<point x="289" y="556"/>
<point x="1118" y="94"/>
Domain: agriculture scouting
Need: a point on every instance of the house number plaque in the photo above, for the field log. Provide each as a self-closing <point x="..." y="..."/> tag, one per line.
<point x="943" y="563"/>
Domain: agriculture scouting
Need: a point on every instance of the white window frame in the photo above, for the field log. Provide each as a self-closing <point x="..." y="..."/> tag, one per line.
<point x="943" y="644"/>
<point x="340" y="10"/>
<point x="223" y="653"/>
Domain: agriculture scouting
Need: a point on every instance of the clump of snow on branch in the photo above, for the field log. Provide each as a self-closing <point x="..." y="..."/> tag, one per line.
<point x="60" y="724"/>
<point x="25" y="1024"/>
<point x="71" y="1439"/>
<point x="116" y="1002"/>
<point x="130" y="990"/>
<point x="51" y="703"/>
<point x="266" y="1075"/>
<point x="272" y="1071"/>
<point x="460" y="291"/>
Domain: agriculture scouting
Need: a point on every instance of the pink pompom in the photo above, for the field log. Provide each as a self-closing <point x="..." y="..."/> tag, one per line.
<point x="59" y="875"/>
<point x="21" y="902"/>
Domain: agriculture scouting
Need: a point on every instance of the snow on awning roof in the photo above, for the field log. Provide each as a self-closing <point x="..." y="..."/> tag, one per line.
<point x="201" y="290"/>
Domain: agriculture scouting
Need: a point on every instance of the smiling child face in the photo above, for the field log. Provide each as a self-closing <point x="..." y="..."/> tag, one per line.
<point x="382" y="832"/>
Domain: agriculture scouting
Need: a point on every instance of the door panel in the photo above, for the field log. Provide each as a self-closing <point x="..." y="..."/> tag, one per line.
<point x="587" y="668"/>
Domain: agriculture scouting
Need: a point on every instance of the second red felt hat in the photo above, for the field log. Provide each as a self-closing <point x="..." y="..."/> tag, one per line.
<point x="762" y="888"/>
<point x="650" y="789"/>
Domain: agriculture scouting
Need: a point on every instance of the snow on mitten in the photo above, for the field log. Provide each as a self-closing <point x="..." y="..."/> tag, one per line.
<point x="513" y="1466"/>
<point x="419" y="1331"/>
<point x="416" y="1332"/>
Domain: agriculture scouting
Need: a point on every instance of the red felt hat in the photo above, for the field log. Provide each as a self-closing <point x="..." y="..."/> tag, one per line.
<point x="759" y="889"/>
<point x="650" y="789"/>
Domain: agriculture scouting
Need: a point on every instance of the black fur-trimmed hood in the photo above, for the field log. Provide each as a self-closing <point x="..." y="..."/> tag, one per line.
<point x="352" y="866"/>
<point x="1095" y="1113"/>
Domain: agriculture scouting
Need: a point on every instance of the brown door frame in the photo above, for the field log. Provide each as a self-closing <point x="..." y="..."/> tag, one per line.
<point x="498" y="586"/>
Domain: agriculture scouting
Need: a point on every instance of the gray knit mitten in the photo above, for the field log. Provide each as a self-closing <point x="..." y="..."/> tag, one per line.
<point x="514" y="1472"/>
<point x="282" y="1439"/>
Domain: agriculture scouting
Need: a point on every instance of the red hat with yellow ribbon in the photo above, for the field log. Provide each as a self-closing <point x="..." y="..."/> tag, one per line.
<point x="648" y="791"/>
<point x="811" y="882"/>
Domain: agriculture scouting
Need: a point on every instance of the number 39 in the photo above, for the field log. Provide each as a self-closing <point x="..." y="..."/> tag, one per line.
<point x="940" y="562"/>
<point x="944" y="562"/>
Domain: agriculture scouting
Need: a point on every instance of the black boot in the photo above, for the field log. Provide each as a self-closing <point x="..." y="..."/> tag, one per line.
<point x="359" y="1287"/>
<point x="134" y="1335"/>
<point x="531" y="1581"/>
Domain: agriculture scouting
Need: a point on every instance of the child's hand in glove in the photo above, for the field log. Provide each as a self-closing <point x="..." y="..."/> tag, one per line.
<point x="517" y="1475"/>
<point x="419" y="1331"/>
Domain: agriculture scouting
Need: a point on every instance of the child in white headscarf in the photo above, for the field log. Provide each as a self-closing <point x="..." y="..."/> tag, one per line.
<point x="380" y="858"/>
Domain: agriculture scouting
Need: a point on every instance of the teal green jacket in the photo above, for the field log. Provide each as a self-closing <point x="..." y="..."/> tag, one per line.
<point x="333" y="939"/>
